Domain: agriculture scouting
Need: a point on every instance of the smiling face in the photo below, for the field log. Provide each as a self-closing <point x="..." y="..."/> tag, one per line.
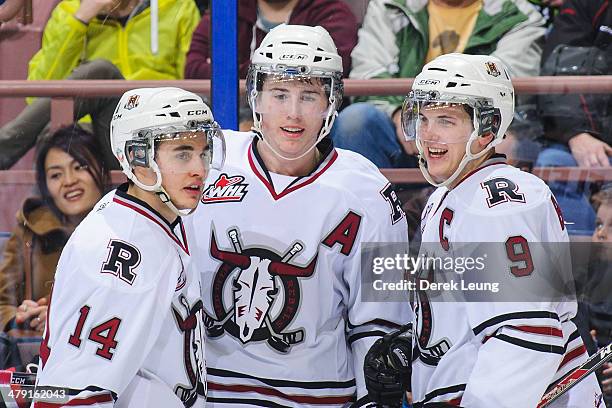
<point x="443" y="132"/>
<point x="292" y="113"/>
<point x="70" y="184"/>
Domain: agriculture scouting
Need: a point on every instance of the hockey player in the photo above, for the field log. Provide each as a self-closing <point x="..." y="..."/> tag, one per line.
<point x="125" y="322"/>
<point x="489" y="351"/>
<point x="280" y="238"/>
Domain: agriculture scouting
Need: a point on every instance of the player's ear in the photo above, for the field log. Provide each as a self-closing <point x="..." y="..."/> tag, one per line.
<point x="484" y="140"/>
<point x="145" y="175"/>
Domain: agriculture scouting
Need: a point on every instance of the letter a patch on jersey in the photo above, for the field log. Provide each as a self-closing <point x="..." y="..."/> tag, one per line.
<point x="122" y="259"/>
<point x="344" y="234"/>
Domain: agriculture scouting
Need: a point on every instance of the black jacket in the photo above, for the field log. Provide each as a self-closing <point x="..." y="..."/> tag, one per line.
<point x="583" y="23"/>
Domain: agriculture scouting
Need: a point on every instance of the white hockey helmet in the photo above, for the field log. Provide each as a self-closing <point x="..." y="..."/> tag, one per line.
<point x="480" y="82"/>
<point x="146" y="116"/>
<point x="297" y="53"/>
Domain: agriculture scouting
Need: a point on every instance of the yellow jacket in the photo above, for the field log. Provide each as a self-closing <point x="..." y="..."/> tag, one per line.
<point x="67" y="42"/>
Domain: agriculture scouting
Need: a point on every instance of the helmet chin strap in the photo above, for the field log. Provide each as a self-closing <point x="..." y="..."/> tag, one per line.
<point x="159" y="191"/>
<point x="165" y="198"/>
<point x="325" y="129"/>
<point x="467" y="157"/>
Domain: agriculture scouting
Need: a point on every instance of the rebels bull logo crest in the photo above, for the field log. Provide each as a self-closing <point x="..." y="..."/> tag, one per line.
<point x="190" y="325"/>
<point x="429" y="350"/>
<point x="261" y="280"/>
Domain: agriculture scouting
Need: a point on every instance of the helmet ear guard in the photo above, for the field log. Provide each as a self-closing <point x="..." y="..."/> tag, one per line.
<point x="137" y="153"/>
<point x="489" y="121"/>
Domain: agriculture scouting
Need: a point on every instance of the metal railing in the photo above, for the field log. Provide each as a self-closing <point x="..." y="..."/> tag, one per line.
<point x="63" y="91"/>
<point x="352" y="87"/>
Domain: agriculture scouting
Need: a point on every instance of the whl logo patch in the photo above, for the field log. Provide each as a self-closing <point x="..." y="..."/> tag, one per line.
<point x="225" y="189"/>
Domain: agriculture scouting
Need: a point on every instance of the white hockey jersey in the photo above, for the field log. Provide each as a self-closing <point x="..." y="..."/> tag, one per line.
<point x="280" y="264"/>
<point x="125" y="321"/>
<point x="487" y="352"/>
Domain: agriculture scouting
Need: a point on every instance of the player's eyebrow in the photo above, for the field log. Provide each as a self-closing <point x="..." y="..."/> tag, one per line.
<point x="304" y="91"/>
<point x="309" y="91"/>
<point x="279" y="88"/>
<point x="183" y="148"/>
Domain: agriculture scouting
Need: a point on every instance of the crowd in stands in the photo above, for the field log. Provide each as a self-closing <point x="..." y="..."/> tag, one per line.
<point x="111" y="39"/>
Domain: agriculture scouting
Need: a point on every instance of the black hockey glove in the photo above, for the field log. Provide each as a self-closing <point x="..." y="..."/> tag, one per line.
<point x="387" y="367"/>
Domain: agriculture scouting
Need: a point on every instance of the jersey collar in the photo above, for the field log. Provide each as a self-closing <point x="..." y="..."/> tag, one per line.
<point x="135" y="204"/>
<point x="329" y="154"/>
<point x="497" y="158"/>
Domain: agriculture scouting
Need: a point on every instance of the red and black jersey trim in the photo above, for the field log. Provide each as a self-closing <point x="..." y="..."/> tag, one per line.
<point x="251" y="402"/>
<point x="573" y="353"/>
<point x="273" y="392"/>
<point x="514" y="316"/>
<point x="258" y="167"/>
<point x="99" y="395"/>
<point x="539" y="329"/>
<point x="441" y="392"/>
<point x="282" y="383"/>
<point x="144" y="209"/>
<point x="261" y="403"/>
<point x="546" y="348"/>
<point x="273" y="388"/>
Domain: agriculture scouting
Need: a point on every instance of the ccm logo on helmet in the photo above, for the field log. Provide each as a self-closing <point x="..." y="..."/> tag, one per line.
<point x="293" y="57"/>
<point x="196" y="112"/>
<point x="429" y="82"/>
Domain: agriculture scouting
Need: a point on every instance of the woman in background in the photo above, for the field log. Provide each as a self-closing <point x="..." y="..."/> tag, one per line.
<point x="71" y="178"/>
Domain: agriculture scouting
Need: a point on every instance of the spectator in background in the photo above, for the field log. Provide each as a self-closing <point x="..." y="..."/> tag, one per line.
<point x="598" y="308"/>
<point x="578" y="127"/>
<point x="9" y="9"/>
<point x="71" y="178"/>
<point x="256" y="18"/>
<point x="548" y="8"/>
<point x="100" y="39"/>
<point x="399" y="37"/>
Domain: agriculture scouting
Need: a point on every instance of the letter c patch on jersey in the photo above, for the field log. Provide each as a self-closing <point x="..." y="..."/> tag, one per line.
<point x="501" y="190"/>
<point x="122" y="259"/>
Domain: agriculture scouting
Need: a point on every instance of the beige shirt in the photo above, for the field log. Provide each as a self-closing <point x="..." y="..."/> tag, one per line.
<point x="450" y="28"/>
